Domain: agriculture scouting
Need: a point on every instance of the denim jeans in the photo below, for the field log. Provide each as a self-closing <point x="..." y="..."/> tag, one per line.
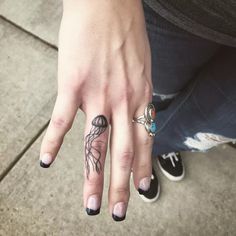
<point x="194" y="83"/>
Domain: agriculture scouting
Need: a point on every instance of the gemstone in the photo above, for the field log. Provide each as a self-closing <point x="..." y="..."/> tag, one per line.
<point x="153" y="114"/>
<point x="153" y="127"/>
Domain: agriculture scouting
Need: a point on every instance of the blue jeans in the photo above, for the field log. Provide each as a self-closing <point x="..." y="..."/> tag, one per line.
<point x="194" y="83"/>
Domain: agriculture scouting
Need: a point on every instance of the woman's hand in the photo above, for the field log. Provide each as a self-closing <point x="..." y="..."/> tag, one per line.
<point x="104" y="69"/>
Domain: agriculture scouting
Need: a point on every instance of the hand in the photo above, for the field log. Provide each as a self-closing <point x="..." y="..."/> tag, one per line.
<point x="104" y="69"/>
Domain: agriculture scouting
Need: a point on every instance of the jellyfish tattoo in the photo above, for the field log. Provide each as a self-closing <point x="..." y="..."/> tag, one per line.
<point x="93" y="154"/>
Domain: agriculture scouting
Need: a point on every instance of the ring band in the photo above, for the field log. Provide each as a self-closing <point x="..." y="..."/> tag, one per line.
<point x="148" y="120"/>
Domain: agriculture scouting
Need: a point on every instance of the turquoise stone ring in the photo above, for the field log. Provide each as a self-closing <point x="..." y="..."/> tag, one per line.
<point x="148" y="120"/>
<point x="153" y="127"/>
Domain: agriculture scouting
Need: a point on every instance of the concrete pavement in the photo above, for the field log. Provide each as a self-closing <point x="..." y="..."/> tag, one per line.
<point x="36" y="201"/>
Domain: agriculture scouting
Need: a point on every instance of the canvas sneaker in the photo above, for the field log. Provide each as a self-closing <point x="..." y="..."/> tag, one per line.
<point x="232" y="144"/>
<point x="171" y="165"/>
<point x="153" y="193"/>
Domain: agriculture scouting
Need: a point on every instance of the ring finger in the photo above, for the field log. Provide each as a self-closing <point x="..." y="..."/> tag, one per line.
<point x="142" y="165"/>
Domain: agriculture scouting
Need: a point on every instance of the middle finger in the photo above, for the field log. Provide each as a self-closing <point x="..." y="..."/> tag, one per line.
<point x="122" y="153"/>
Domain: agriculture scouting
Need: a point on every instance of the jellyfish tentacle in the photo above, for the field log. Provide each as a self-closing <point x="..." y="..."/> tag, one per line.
<point x="92" y="154"/>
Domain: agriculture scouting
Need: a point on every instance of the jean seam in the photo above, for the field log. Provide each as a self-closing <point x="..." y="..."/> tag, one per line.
<point x="222" y="92"/>
<point x="203" y="115"/>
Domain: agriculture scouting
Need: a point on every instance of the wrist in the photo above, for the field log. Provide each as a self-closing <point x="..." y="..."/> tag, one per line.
<point x="102" y="6"/>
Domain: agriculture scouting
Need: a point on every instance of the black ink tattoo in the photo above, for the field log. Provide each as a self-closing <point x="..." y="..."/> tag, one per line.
<point x="93" y="154"/>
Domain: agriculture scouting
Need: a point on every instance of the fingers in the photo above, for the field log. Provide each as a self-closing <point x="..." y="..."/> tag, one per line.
<point x="61" y="121"/>
<point x="122" y="153"/>
<point x="95" y="143"/>
<point x="142" y="165"/>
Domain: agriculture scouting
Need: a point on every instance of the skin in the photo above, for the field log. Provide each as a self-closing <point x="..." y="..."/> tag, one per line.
<point x="104" y="68"/>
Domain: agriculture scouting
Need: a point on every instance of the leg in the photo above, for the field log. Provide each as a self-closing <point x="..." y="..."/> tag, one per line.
<point x="204" y="115"/>
<point x="176" y="57"/>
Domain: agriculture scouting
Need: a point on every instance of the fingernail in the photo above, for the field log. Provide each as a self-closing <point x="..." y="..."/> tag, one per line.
<point x="93" y="205"/>
<point x="119" y="211"/>
<point x="144" y="185"/>
<point x="46" y="160"/>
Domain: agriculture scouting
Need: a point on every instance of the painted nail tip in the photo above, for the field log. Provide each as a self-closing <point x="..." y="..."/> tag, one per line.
<point x="142" y="192"/>
<point x="91" y="212"/>
<point x="117" y="218"/>
<point x="44" y="165"/>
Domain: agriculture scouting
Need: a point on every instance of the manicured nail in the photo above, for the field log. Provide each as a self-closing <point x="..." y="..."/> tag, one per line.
<point x="46" y="160"/>
<point x="144" y="185"/>
<point x="93" y="205"/>
<point x="119" y="211"/>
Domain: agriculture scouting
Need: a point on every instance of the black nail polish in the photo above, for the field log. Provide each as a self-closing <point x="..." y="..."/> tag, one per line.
<point x="117" y="218"/>
<point x="142" y="192"/>
<point x="44" y="165"/>
<point x="91" y="212"/>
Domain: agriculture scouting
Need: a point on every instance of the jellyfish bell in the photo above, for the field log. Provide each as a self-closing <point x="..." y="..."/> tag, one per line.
<point x="100" y="121"/>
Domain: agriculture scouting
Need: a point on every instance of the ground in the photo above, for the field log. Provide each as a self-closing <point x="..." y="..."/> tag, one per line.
<point x="36" y="201"/>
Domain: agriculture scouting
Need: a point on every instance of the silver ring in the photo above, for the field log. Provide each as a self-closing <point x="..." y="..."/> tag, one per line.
<point x="147" y="119"/>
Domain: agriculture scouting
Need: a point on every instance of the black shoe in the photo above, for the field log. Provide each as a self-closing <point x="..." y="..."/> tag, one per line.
<point x="233" y="144"/>
<point x="153" y="193"/>
<point x="171" y="165"/>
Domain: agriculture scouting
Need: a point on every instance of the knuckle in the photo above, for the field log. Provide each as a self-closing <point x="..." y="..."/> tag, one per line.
<point x="143" y="166"/>
<point x="146" y="142"/>
<point x="76" y="78"/>
<point x="138" y="70"/>
<point x="93" y="181"/>
<point x="100" y="146"/>
<point x="53" y="142"/>
<point x="126" y="160"/>
<point x="122" y="191"/>
<point x="126" y="93"/>
<point x="148" y="90"/>
<point x="104" y="87"/>
<point x="60" y="123"/>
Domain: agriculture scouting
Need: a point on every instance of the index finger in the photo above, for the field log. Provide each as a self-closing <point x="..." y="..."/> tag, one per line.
<point x="63" y="115"/>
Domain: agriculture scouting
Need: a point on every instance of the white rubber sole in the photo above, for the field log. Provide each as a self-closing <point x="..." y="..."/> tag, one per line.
<point x="153" y="199"/>
<point x="169" y="176"/>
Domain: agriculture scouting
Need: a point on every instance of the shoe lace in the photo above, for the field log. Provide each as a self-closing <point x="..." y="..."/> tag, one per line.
<point x="172" y="156"/>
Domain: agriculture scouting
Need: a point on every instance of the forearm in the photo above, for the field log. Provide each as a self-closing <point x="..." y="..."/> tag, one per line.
<point x="95" y="4"/>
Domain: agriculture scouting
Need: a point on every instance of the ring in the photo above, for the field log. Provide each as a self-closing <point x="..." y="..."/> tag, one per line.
<point x="147" y="119"/>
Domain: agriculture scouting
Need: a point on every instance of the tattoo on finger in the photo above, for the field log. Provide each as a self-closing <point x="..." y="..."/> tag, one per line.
<point x="93" y="154"/>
